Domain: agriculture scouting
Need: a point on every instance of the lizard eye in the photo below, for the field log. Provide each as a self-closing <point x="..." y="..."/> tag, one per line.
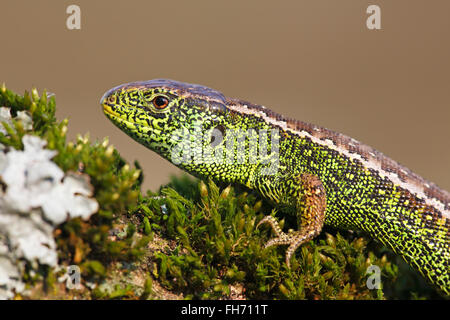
<point x="160" y="102"/>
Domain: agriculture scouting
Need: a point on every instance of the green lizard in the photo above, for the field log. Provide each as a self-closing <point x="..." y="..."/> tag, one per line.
<point x="321" y="176"/>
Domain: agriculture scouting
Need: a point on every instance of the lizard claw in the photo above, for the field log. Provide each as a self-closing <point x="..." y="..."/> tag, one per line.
<point x="273" y="223"/>
<point x="281" y="237"/>
<point x="294" y="238"/>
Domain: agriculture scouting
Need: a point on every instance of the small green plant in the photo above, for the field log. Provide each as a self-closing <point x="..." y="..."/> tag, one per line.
<point x="217" y="249"/>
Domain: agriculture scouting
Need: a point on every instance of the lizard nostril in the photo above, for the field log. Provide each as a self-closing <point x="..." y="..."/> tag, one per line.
<point x="111" y="99"/>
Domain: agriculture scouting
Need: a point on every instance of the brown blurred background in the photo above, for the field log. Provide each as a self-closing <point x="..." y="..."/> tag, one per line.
<point x="311" y="60"/>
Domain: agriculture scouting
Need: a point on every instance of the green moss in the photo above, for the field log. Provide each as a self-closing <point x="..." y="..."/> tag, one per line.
<point x="116" y="292"/>
<point x="147" y="287"/>
<point x="217" y="247"/>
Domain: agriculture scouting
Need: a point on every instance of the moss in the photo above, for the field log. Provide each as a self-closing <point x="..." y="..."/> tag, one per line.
<point x="192" y="239"/>
<point x="217" y="247"/>
<point x="148" y="290"/>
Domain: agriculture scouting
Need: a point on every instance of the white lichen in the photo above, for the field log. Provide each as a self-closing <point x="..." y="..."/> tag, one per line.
<point x="36" y="196"/>
<point x="22" y="116"/>
<point x="34" y="181"/>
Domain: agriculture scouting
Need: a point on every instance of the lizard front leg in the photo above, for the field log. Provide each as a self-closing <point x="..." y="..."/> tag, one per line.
<point x="305" y="192"/>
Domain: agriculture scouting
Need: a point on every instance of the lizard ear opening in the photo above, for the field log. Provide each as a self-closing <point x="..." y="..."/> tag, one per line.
<point x="217" y="135"/>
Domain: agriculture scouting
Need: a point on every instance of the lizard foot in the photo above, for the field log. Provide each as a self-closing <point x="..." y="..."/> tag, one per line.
<point x="294" y="238"/>
<point x="310" y="201"/>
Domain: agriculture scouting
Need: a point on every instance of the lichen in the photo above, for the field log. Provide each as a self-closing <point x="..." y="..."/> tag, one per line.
<point x="36" y="197"/>
<point x="32" y="180"/>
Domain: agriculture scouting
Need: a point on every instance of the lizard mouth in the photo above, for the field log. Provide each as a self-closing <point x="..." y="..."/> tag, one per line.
<point x="108" y="110"/>
<point x="120" y="121"/>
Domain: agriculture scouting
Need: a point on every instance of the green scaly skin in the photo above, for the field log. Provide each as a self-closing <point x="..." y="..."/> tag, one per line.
<point x="321" y="176"/>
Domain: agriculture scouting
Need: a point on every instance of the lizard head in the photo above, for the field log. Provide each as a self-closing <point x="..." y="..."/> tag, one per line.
<point x="187" y="124"/>
<point x="159" y="113"/>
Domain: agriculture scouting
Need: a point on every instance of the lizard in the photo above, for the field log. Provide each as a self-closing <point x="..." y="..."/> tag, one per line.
<point x="321" y="176"/>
